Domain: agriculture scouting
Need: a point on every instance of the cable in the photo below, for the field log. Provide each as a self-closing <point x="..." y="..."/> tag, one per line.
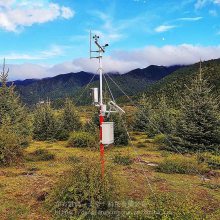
<point x="139" y="159"/>
<point x="85" y="88"/>
<point x="120" y="89"/>
<point x="109" y="88"/>
<point x="155" y="126"/>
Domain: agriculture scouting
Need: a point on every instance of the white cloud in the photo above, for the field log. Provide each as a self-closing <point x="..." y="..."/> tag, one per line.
<point x="191" y="19"/>
<point x="66" y="12"/>
<point x="217" y="1"/>
<point x="201" y="3"/>
<point x="14" y="15"/>
<point x="122" y="61"/>
<point x="109" y="30"/>
<point x="27" y="71"/>
<point x="54" y="50"/>
<point x="164" y="28"/>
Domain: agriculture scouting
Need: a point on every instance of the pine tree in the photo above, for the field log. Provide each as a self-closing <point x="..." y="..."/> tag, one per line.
<point x="143" y="115"/>
<point x="70" y="118"/>
<point x="45" y="123"/>
<point x="15" y="127"/>
<point x="198" y="128"/>
<point x="12" y="111"/>
<point x="120" y="134"/>
<point x="162" y="120"/>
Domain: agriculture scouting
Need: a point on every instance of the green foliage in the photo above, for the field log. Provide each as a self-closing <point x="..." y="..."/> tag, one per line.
<point x="160" y="139"/>
<point x="45" y="123"/>
<point x="15" y="126"/>
<point x="70" y="118"/>
<point x="181" y="164"/>
<point x="142" y="121"/>
<point x="10" y="146"/>
<point x="172" y="206"/>
<point x="82" y="192"/>
<point x="122" y="160"/>
<point x="140" y="145"/>
<point x="81" y="140"/>
<point x="120" y="134"/>
<point x="12" y="111"/>
<point x="163" y="119"/>
<point x="40" y="155"/>
<point x="213" y="161"/>
<point x="157" y="120"/>
<point x="90" y="127"/>
<point x="173" y="85"/>
<point x="198" y="128"/>
<point x="74" y="159"/>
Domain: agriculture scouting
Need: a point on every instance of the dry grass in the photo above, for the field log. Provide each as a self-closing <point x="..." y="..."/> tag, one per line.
<point x="21" y="186"/>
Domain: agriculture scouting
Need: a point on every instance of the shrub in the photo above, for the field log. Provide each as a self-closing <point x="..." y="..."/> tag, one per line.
<point x="82" y="193"/>
<point x="10" y="150"/>
<point x="181" y="164"/>
<point x="123" y="160"/>
<point x="165" y="206"/>
<point x="91" y="127"/>
<point x="140" y="145"/>
<point x="134" y="138"/>
<point x="74" y="159"/>
<point x="173" y="206"/>
<point x="81" y="140"/>
<point x="70" y="119"/>
<point x="213" y="161"/>
<point x="45" y="123"/>
<point x="160" y="139"/>
<point x="40" y="155"/>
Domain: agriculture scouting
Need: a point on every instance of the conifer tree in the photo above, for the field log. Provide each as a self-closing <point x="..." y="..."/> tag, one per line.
<point x="45" y="123"/>
<point x="198" y="128"/>
<point x="12" y="111"/>
<point x="120" y="134"/>
<point x="163" y="120"/>
<point x="70" y="118"/>
<point x="15" y="127"/>
<point x="143" y="115"/>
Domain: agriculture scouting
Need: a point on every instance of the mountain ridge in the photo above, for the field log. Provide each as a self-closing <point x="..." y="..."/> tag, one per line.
<point x="70" y="84"/>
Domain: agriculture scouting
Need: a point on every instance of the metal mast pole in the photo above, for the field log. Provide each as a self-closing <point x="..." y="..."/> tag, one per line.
<point x="100" y="51"/>
<point x="101" y="115"/>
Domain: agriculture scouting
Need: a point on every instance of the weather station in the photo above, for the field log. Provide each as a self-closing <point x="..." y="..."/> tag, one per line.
<point x="106" y="128"/>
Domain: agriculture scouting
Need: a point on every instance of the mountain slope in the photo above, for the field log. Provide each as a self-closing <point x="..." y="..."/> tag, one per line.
<point x="60" y="86"/>
<point x="174" y="84"/>
<point x="73" y="84"/>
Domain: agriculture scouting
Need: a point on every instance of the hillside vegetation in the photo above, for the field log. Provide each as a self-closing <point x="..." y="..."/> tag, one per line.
<point x="74" y="84"/>
<point x="174" y="85"/>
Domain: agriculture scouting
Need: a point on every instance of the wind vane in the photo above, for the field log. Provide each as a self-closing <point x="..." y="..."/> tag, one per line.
<point x="106" y="128"/>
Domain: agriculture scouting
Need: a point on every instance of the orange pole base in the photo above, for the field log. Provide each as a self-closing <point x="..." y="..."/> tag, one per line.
<point x="102" y="151"/>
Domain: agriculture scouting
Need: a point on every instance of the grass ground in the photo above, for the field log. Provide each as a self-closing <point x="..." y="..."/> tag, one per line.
<point x="23" y="187"/>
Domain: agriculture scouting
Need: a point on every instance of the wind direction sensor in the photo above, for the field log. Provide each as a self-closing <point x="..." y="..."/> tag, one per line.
<point x="106" y="128"/>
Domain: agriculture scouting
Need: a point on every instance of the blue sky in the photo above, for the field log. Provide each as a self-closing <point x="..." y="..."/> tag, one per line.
<point x="49" y="37"/>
